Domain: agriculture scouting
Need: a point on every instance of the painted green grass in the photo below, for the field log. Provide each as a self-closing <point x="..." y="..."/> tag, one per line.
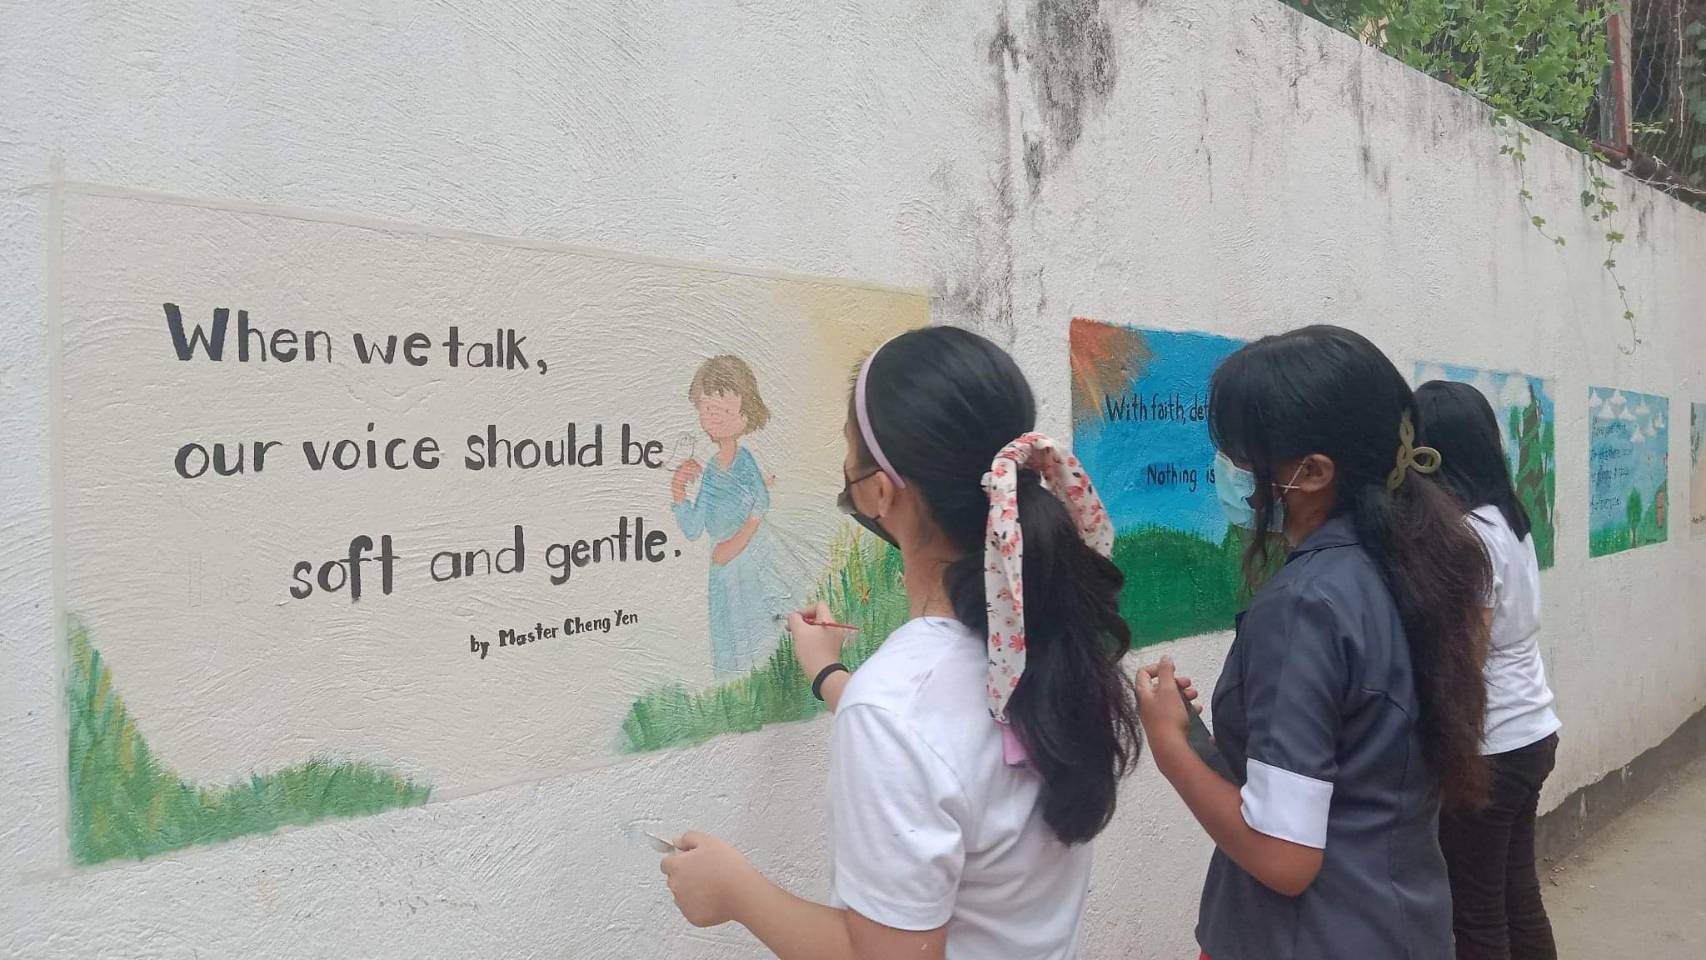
<point x="1651" y="528"/>
<point x="1178" y="584"/>
<point x="127" y="803"/>
<point x="863" y="587"/>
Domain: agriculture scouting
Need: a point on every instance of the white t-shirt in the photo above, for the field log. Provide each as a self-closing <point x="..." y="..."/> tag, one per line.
<point x="928" y="824"/>
<point x="1519" y="703"/>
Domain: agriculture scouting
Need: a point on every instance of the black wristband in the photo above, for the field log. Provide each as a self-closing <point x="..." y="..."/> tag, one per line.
<point x="824" y="674"/>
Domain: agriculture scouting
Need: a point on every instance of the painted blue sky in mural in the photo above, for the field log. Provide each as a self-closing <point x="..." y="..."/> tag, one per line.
<point x="1629" y="448"/>
<point x="1147" y="447"/>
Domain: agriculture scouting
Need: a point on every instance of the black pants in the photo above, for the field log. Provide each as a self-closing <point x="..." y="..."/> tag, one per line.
<point x="1495" y="888"/>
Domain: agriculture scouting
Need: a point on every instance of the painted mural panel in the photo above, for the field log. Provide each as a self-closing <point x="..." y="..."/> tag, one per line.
<point x="1697" y="471"/>
<point x="1527" y="426"/>
<point x="1140" y="425"/>
<point x="1629" y="463"/>
<point x="357" y="515"/>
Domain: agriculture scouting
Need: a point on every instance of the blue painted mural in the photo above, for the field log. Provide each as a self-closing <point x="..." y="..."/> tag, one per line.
<point x="1629" y="470"/>
<point x="1140" y="425"/>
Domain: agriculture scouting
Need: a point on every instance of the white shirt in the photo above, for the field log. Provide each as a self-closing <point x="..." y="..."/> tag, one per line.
<point x="928" y="824"/>
<point x="1519" y="703"/>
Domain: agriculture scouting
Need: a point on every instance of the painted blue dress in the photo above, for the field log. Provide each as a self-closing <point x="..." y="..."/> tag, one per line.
<point x="746" y="594"/>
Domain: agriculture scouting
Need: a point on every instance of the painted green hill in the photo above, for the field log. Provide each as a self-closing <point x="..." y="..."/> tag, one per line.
<point x="126" y="803"/>
<point x="1178" y="584"/>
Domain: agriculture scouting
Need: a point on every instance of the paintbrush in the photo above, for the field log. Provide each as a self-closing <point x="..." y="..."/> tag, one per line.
<point x="820" y="623"/>
<point x="658" y="843"/>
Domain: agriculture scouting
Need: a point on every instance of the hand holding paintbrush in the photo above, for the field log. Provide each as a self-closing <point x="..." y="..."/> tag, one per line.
<point x="817" y="645"/>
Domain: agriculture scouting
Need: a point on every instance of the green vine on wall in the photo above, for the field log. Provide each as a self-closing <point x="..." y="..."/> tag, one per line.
<point x="1517" y="150"/>
<point x="1535" y="61"/>
<point x="1594" y="199"/>
<point x="1603" y="207"/>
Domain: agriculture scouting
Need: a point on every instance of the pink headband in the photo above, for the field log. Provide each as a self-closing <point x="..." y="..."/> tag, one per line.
<point x="864" y="417"/>
<point x="1004" y="559"/>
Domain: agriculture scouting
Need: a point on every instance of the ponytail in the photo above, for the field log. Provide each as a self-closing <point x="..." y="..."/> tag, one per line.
<point x="1438" y="572"/>
<point x="1074" y="710"/>
<point x="944" y="402"/>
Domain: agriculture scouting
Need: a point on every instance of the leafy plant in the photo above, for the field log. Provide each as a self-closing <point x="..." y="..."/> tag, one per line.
<point x="1537" y="60"/>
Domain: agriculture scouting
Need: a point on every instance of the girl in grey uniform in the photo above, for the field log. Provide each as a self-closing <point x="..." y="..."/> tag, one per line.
<point x="1351" y="699"/>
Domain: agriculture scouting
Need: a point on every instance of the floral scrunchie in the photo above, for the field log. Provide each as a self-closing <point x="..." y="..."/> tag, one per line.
<point x="1004" y="558"/>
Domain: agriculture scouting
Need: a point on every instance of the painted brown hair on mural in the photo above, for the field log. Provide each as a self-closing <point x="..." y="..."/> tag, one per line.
<point x="727" y="374"/>
<point x="944" y="402"/>
<point x="1329" y="391"/>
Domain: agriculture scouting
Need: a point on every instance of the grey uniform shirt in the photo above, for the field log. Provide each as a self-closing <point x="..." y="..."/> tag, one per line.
<point x="1315" y="714"/>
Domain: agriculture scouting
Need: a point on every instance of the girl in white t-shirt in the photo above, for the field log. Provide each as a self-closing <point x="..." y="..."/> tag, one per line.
<point x="978" y="751"/>
<point x="1497" y="913"/>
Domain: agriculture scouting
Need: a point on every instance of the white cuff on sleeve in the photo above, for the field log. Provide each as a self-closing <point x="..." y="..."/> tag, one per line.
<point x="1287" y="805"/>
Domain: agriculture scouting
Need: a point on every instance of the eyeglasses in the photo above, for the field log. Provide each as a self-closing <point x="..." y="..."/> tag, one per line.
<point x="845" y="501"/>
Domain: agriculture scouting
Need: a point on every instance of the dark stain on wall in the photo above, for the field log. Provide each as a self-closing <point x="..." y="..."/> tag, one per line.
<point x="1003" y="48"/>
<point x="1035" y="158"/>
<point x="1377" y="172"/>
<point x="1202" y="144"/>
<point x="1073" y="72"/>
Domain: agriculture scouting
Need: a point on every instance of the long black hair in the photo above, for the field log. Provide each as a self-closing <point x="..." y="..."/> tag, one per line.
<point x="942" y="403"/>
<point x="1456" y="420"/>
<point x="1327" y="390"/>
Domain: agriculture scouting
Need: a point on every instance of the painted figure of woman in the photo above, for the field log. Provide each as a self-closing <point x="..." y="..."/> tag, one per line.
<point x="746" y="591"/>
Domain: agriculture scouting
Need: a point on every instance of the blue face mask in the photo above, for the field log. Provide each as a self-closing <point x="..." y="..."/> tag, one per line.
<point x="1235" y="485"/>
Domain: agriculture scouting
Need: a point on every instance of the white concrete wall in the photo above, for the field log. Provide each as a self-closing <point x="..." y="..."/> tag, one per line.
<point x="1231" y="167"/>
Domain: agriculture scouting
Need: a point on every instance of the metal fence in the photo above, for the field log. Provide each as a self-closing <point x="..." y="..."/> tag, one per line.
<point x="1650" y="115"/>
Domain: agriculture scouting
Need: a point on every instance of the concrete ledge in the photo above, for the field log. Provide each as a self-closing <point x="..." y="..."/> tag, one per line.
<point x="1585" y="811"/>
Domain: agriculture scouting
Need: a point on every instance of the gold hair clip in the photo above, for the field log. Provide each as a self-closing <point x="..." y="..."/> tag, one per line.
<point x="1410" y="456"/>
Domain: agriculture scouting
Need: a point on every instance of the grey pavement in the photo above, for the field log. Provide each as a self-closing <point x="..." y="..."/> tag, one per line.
<point x="1637" y="890"/>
